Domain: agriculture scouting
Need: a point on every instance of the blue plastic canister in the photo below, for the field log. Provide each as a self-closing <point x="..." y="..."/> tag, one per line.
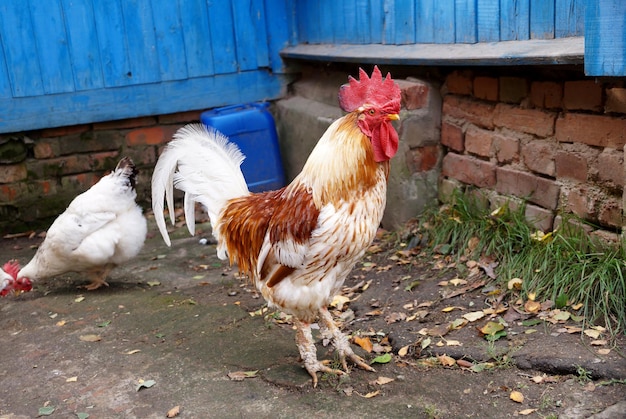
<point x="252" y="128"/>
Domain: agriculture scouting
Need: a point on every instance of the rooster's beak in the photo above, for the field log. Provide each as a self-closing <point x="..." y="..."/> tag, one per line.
<point x="393" y="116"/>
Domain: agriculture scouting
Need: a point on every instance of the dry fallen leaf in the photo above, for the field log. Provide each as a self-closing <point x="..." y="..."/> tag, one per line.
<point x="363" y="342"/>
<point x="71" y="379"/>
<point x="134" y="351"/>
<point x="242" y="375"/>
<point x="464" y="363"/>
<point x="516" y="396"/>
<point x="173" y="412"/>
<point x="457" y="281"/>
<point x="604" y="351"/>
<point x="403" y="351"/>
<point x="527" y="412"/>
<point x="383" y="380"/>
<point x="474" y="315"/>
<point x="532" y="306"/>
<point x="446" y="361"/>
<point x="515" y="283"/>
<point x="593" y="334"/>
<point x="90" y="338"/>
<point x="371" y="394"/>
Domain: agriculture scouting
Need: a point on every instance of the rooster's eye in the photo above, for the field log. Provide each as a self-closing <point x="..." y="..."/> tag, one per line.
<point x="371" y="111"/>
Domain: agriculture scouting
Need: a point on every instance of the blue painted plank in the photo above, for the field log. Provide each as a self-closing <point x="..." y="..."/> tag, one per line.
<point x="377" y="21"/>
<point x="326" y="21"/>
<point x="444" y="22"/>
<point x="112" y="41"/>
<point x="515" y="20"/>
<point x="541" y="19"/>
<point x="198" y="43"/>
<point x="465" y="30"/>
<point x="389" y="25"/>
<point x="19" y="49"/>
<point x="244" y="32"/>
<point x="405" y="18"/>
<point x="308" y="13"/>
<point x="5" y="84"/>
<point x="139" y="30"/>
<point x="360" y="23"/>
<point x="605" y="38"/>
<point x="51" y="46"/>
<point x="424" y="22"/>
<point x="261" y="35"/>
<point x="569" y="19"/>
<point x="83" y="44"/>
<point x="488" y="20"/>
<point x="32" y="113"/>
<point x="222" y="37"/>
<point x="281" y="24"/>
<point x="169" y="41"/>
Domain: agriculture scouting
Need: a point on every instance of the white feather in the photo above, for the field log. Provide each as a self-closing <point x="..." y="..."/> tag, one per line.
<point x="203" y="164"/>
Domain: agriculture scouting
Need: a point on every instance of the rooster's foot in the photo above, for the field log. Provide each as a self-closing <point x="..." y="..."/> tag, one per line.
<point x="313" y="367"/>
<point x="94" y="285"/>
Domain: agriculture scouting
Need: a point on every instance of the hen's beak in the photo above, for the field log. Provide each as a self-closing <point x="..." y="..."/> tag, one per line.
<point x="393" y="116"/>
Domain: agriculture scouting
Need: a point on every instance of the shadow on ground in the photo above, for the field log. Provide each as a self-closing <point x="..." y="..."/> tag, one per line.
<point x="177" y="327"/>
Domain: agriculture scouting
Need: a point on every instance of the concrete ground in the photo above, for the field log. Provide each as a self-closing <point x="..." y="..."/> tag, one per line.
<point x="177" y="329"/>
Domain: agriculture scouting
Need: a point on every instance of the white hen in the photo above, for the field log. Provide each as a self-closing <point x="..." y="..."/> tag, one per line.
<point x="100" y="229"/>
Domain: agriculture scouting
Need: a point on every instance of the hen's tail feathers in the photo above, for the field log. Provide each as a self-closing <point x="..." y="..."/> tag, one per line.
<point x="203" y="164"/>
<point x="126" y="168"/>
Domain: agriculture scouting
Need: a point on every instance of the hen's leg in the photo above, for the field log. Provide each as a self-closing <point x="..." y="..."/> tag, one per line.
<point x="340" y="341"/>
<point x="306" y="346"/>
<point x="98" y="278"/>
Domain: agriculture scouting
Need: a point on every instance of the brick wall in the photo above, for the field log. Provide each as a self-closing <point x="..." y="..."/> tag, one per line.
<point x="42" y="171"/>
<point x="557" y="143"/>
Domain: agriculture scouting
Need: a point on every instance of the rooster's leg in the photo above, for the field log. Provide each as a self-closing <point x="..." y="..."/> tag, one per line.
<point x="308" y="352"/>
<point x="340" y="341"/>
<point x="98" y="278"/>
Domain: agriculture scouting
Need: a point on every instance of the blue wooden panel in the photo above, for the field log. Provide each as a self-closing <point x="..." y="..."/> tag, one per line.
<point x="425" y="21"/>
<point x="488" y="20"/>
<point x="443" y="22"/>
<point x="326" y="22"/>
<point x="358" y="23"/>
<point x="261" y="35"/>
<point x="18" y="42"/>
<point x="605" y="38"/>
<point x="139" y="34"/>
<point x="514" y="20"/>
<point x="244" y="19"/>
<point x="198" y="44"/>
<point x="404" y="18"/>
<point x="222" y="37"/>
<point x="377" y="21"/>
<point x="569" y="19"/>
<point x="310" y="28"/>
<point x="168" y="33"/>
<point x="51" y="46"/>
<point x="281" y="26"/>
<point x="112" y="41"/>
<point x="465" y="21"/>
<point x="5" y="83"/>
<point x="541" y="19"/>
<point x="83" y="44"/>
<point x="130" y="101"/>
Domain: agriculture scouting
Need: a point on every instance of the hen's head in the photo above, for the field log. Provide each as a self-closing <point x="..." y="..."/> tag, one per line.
<point x="12" y="268"/>
<point x="377" y="101"/>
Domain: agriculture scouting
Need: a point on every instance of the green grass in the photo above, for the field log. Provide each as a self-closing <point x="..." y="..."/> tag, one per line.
<point x="569" y="265"/>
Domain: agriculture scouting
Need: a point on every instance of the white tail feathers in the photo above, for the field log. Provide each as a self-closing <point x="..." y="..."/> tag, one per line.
<point x="203" y="164"/>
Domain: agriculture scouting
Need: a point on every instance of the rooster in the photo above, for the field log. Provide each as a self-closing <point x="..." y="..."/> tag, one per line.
<point x="8" y="281"/>
<point x="100" y="229"/>
<point x="299" y="243"/>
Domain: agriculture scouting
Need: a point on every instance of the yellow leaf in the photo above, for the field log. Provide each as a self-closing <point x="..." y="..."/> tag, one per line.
<point x="446" y="360"/>
<point x="450" y="308"/>
<point x="532" y="306"/>
<point x="516" y="396"/>
<point x="173" y="412"/>
<point x="403" y="351"/>
<point x="593" y="334"/>
<point x="90" y="338"/>
<point x="491" y="328"/>
<point x="604" y="351"/>
<point x="497" y="212"/>
<point x="515" y="283"/>
<point x="531" y="296"/>
<point x="474" y="315"/>
<point x="134" y="351"/>
<point x="61" y="323"/>
<point x="364" y="342"/>
<point x="577" y="306"/>
<point x="79" y="299"/>
<point x="383" y="380"/>
<point x="339" y="301"/>
<point x="527" y="412"/>
<point x="72" y="379"/>
<point x="453" y="343"/>
<point x="371" y="394"/>
<point x="458" y="281"/>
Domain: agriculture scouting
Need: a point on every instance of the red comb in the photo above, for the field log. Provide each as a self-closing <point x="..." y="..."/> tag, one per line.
<point x="375" y="91"/>
<point x="12" y="267"/>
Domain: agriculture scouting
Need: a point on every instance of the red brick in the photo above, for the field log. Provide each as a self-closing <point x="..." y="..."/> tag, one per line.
<point x="9" y="192"/>
<point x="62" y="131"/>
<point x="540" y="218"/>
<point x="145" y="121"/>
<point x="179" y="117"/>
<point x="478" y="113"/>
<point x="506" y="148"/>
<point x="611" y="213"/>
<point x="478" y="141"/>
<point x="425" y="158"/>
<point x="615" y="100"/>
<point x="571" y="166"/>
<point x="469" y="170"/>
<point x="486" y="88"/>
<point x="546" y="94"/>
<point x="452" y="136"/>
<point x="531" y="121"/>
<point x="147" y="136"/>
<point x="459" y="82"/>
<point x="580" y="203"/>
<point x="46" y="149"/>
<point x="414" y="94"/>
<point x="13" y="173"/>
<point x="582" y="94"/>
<point x="594" y="130"/>
<point x="513" y="89"/>
<point x="538" y="156"/>
<point x="538" y="190"/>
<point x="611" y="166"/>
